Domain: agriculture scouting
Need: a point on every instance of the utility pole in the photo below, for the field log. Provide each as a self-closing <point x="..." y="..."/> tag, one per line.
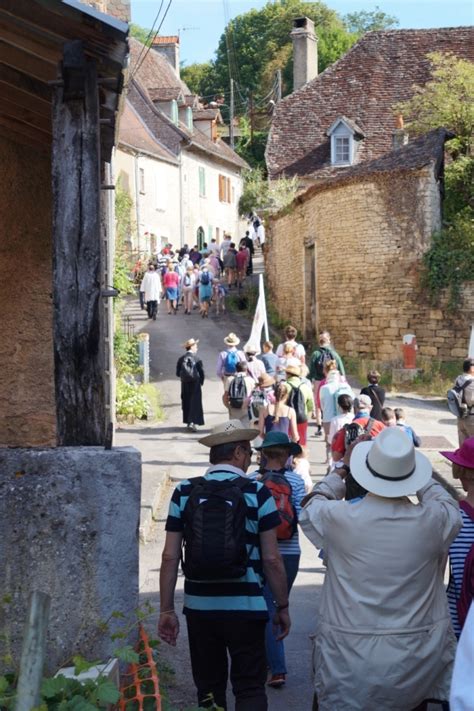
<point x="231" y="125"/>
<point x="251" y="117"/>
<point x="278" y="87"/>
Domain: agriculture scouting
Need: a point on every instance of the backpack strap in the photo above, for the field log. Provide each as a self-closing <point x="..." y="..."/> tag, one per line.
<point x="468" y="510"/>
<point x="369" y="425"/>
<point x="372" y="390"/>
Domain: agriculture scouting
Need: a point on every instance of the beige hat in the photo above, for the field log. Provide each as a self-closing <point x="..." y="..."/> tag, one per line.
<point x="266" y="380"/>
<point x="293" y="366"/>
<point x="389" y="465"/>
<point x="230" y="431"/>
<point x="190" y="342"/>
<point x="232" y="340"/>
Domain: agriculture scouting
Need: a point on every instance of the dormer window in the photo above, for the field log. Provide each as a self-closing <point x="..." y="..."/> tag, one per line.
<point x="345" y="137"/>
<point x="174" y="111"/>
<point x="189" y="118"/>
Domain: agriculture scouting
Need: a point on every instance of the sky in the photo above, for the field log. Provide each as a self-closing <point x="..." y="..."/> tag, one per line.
<point x="200" y="23"/>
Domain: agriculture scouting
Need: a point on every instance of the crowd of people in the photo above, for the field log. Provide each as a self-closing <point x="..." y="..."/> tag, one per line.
<point x="193" y="278"/>
<point x="387" y="629"/>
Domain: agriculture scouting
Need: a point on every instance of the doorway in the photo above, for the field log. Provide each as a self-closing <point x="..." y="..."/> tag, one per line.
<point x="310" y="292"/>
<point x="200" y="237"/>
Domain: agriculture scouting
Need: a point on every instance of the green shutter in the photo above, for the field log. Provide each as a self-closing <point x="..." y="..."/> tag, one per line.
<point x="202" y="182"/>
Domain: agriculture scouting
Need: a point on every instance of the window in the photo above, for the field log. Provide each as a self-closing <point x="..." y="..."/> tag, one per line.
<point x="141" y="180"/>
<point x="202" y="182"/>
<point x="174" y="111"/>
<point x="224" y="189"/>
<point x="342" y="149"/>
<point x="189" y="118"/>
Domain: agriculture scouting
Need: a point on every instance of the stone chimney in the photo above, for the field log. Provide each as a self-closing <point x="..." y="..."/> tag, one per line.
<point x="399" y="136"/>
<point x="169" y="48"/>
<point x="116" y="8"/>
<point x="305" y="51"/>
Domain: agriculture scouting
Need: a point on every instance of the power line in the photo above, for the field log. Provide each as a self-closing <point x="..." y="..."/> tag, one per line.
<point x="149" y="35"/>
<point x="138" y="65"/>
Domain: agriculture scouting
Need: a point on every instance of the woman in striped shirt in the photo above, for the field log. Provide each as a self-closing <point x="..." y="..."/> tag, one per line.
<point x="463" y="469"/>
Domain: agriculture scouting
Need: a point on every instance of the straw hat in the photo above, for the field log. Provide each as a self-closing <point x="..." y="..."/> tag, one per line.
<point x="293" y="366"/>
<point x="190" y="342"/>
<point x="231" y="340"/>
<point x="230" y="431"/>
<point x="464" y="456"/>
<point x="389" y="465"/>
<point x="280" y="439"/>
<point x="266" y="381"/>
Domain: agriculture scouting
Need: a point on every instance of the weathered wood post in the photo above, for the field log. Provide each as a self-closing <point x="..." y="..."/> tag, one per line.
<point x="78" y="352"/>
<point x="32" y="653"/>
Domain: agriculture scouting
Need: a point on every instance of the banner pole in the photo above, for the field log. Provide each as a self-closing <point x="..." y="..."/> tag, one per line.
<point x="262" y="294"/>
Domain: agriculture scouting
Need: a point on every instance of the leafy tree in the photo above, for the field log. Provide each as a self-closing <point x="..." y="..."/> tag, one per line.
<point x="140" y="33"/>
<point x="263" y="196"/>
<point x="200" y="79"/>
<point x="447" y="100"/>
<point x="364" y="21"/>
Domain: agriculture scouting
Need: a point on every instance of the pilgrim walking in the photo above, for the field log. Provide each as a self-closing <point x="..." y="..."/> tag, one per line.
<point x="191" y="372"/>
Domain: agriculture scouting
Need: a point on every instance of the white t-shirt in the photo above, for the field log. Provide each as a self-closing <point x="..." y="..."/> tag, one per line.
<point x="338" y="422"/>
<point x="299" y="351"/>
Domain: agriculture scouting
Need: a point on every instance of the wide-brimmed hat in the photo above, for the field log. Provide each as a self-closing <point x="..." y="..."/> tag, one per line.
<point x="190" y="342"/>
<point x="464" y="456"/>
<point x="389" y="465"/>
<point x="230" y="431"/>
<point x="280" y="439"/>
<point x="232" y="340"/>
<point x="251" y="350"/>
<point x="293" y="366"/>
<point x="266" y="380"/>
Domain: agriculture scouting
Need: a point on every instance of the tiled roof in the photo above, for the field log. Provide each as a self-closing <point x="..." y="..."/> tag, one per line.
<point x="166" y="39"/>
<point x="377" y="72"/>
<point x="134" y="133"/>
<point x="166" y="93"/>
<point x="209" y="114"/>
<point x="425" y="150"/>
<point x="154" y="74"/>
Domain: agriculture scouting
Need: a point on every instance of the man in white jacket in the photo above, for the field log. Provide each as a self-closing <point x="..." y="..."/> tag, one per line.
<point x="151" y="285"/>
<point x="384" y="637"/>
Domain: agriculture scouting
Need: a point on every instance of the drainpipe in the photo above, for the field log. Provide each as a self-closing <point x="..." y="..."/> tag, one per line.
<point x="137" y="204"/>
<point x="181" y="208"/>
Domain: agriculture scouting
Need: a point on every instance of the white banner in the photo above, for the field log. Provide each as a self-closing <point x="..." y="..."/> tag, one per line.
<point x="259" y="319"/>
<point x="471" y="343"/>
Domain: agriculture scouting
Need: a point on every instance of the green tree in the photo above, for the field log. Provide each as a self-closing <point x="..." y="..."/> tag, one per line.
<point x="447" y="100"/>
<point x="364" y="21"/>
<point x="200" y="77"/>
<point x="140" y="33"/>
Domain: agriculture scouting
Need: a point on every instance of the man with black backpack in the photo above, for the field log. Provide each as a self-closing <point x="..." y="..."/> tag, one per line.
<point x="324" y="353"/>
<point x="461" y="401"/>
<point x="300" y="397"/>
<point x="191" y="372"/>
<point x="228" y="358"/>
<point x="222" y="526"/>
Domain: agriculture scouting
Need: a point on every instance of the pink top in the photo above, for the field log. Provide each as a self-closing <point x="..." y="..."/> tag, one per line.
<point x="170" y="279"/>
<point x="241" y="258"/>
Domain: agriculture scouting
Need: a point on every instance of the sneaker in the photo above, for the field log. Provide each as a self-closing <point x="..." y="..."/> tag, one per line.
<point x="318" y="432"/>
<point x="276" y="681"/>
<point x="193" y="427"/>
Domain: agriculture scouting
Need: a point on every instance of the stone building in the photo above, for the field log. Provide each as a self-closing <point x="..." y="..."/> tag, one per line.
<point x="371" y="198"/>
<point x="353" y="245"/>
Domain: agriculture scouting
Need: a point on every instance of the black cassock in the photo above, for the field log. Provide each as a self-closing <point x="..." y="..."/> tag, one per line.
<point x="191" y="395"/>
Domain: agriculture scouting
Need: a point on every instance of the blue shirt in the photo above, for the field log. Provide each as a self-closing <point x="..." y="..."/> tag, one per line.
<point x="242" y="597"/>
<point x="270" y="361"/>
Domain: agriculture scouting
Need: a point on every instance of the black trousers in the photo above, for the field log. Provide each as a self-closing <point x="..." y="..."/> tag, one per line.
<point x="152" y="309"/>
<point x="209" y="642"/>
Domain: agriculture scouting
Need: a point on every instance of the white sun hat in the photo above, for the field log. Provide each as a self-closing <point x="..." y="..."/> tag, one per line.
<point x="389" y="465"/>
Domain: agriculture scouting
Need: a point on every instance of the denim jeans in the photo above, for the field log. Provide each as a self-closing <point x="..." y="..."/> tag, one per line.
<point x="275" y="648"/>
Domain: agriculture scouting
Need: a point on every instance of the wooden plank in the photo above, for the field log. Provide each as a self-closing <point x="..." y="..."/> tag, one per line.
<point x="33" y="653"/>
<point x="18" y="37"/>
<point x="24" y="100"/>
<point x="17" y="136"/>
<point x="27" y="63"/>
<point x="78" y="347"/>
<point x="31" y="118"/>
<point x="25" y="83"/>
<point x="14" y="124"/>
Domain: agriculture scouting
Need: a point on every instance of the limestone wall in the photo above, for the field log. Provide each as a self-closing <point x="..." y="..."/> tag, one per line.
<point x="27" y="405"/>
<point x="366" y="240"/>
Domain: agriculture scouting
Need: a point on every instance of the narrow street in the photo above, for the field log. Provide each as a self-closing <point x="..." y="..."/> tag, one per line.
<point x="168" y="448"/>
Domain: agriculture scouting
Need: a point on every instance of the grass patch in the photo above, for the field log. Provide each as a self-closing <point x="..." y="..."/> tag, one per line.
<point x="153" y="395"/>
<point x="436" y="377"/>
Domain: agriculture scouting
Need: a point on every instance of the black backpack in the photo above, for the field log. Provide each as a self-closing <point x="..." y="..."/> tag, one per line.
<point x="297" y="401"/>
<point x="455" y="397"/>
<point x="325" y="355"/>
<point x="214" y="535"/>
<point x="188" y="372"/>
<point x="237" y="392"/>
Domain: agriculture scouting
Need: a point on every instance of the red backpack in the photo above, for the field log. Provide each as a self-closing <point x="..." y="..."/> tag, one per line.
<point x="281" y="491"/>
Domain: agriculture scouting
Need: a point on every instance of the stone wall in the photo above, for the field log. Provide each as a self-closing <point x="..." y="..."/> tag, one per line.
<point x="27" y="403"/>
<point x="365" y="240"/>
<point x="70" y="520"/>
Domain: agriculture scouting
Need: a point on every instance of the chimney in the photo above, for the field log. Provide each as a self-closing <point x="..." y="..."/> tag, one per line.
<point x="168" y="47"/>
<point x="116" y="8"/>
<point x="399" y="136"/>
<point x="305" y="51"/>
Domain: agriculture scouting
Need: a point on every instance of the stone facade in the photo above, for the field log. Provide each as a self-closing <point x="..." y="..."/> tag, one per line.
<point x="28" y="412"/>
<point x="347" y="259"/>
<point x="117" y="8"/>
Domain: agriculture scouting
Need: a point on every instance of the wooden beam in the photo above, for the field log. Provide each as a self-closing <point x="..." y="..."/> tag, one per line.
<point x="25" y="101"/>
<point x="78" y="346"/>
<point x="26" y="63"/>
<point x="23" y="128"/>
<point x="17" y="36"/>
<point x="16" y="135"/>
<point x="25" y="83"/>
<point x="30" y="118"/>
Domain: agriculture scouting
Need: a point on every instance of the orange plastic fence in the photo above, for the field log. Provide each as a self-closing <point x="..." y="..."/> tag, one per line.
<point x="140" y="686"/>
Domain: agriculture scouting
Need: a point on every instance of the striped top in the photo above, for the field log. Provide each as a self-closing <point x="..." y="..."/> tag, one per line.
<point x="242" y="597"/>
<point x="298" y="492"/>
<point x="458" y="551"/>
